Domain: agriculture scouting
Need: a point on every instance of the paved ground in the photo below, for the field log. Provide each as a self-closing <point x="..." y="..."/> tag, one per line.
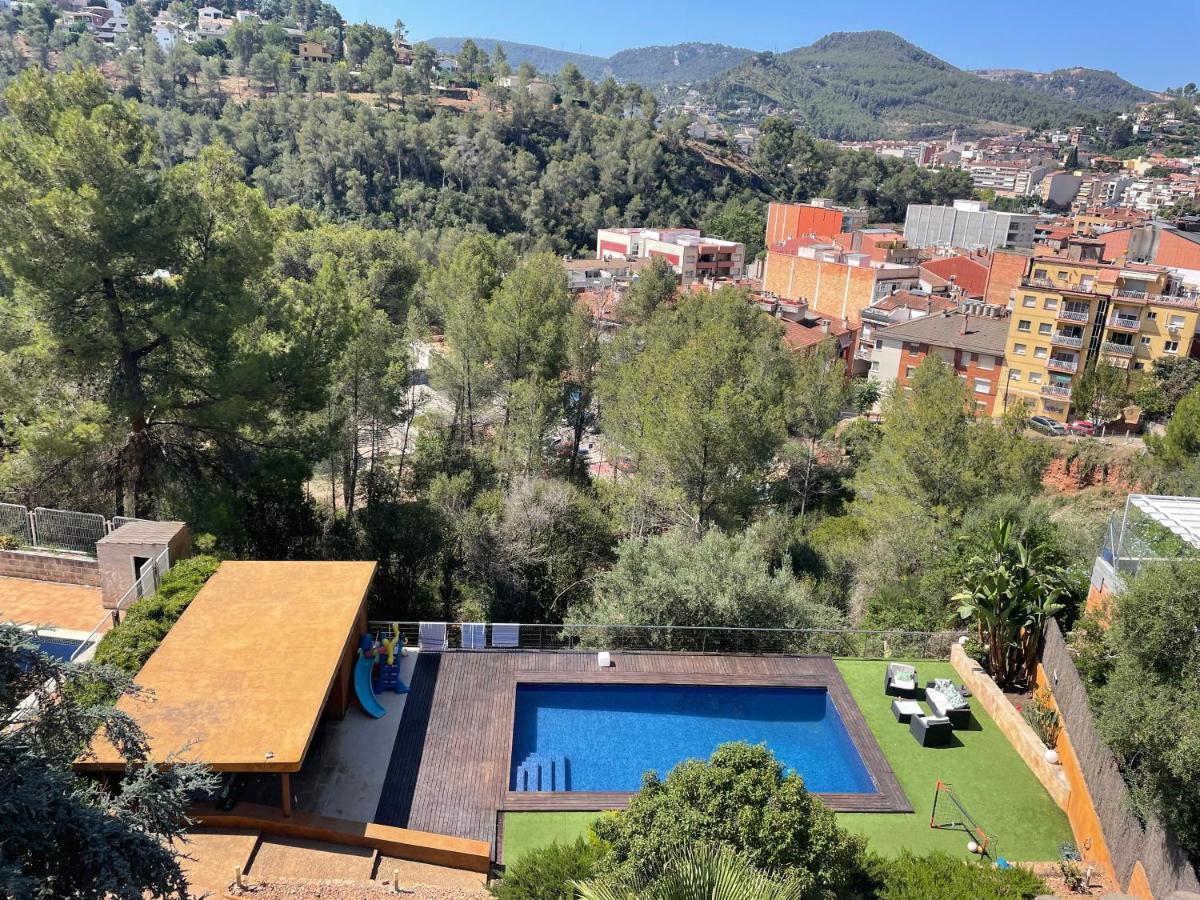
<point x="213" y="854"/>
<point x="344" y="772"/>
<point x="279" y="857"/>
<point x="71" y="607"/>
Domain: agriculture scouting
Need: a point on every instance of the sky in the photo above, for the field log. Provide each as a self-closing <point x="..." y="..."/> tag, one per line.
<point x="1156" y="53"/>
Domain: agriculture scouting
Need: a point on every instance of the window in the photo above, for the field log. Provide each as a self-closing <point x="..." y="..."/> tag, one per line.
<point x="1039" y="352"/>
<point x="1045" y="327"/>
<point x="1039" y="273"/>
<point x="1051" y="303"/>
<point x="1053" y="408"/>
<point x="878" y="343"/>
<point x="1145" y="341"/>
<point x="985" y="361"/>
<point x="1014" y="374"/>
<point x="908" y="371"/>
<point x="1035" y="377"/>
<point x="983" y="386"/>
<point x="1175" y="322"/>
<point x="874" y="365"/>
<point x="1024" y="325"/>
<point x="1029" y="302"/>
<point x="1151" y="315"/>
<point x="1171" y="347"/>
<point x="1019" y="349"/>
<point x="1062" y="276"/>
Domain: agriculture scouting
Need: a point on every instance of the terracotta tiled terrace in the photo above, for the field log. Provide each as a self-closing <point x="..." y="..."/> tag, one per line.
<point x="50" y="604"/>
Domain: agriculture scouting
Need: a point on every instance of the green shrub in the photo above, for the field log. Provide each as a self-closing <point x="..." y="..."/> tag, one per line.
<point x="940" y="876"/>
<point x="9" y="542"/>
<point x="148" y="620"/>
<point x="1043" y="718"/>
<point x="548" y="872"/>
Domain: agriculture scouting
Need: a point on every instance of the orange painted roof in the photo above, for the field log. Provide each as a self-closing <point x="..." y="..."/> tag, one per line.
<point x="969" y="273"/>
<point x="240" y="681"/>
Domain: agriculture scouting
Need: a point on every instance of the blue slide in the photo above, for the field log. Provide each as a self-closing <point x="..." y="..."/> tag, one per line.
<point x="362" y="687"/>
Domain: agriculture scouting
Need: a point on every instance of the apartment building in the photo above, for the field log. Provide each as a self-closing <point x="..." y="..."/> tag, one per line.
<point x="820" y="218"/>
<point x="893" y="309"/>
<point x="970" y="338"/>
<point x="691" y="255"/>
<point x="1007" y="179"/>
<point x="1068" y="314"/>
<point x="967" y="225"/>
<point x="831" y="281"/>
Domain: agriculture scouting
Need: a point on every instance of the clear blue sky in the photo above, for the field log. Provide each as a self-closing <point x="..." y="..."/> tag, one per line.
<point x="1156" y="52"/>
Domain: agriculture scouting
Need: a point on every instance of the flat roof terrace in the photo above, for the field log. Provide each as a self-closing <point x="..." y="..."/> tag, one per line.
<point x="242" y="679"/>
<point x="449" y="771"/>
<point x="50" y="604"/>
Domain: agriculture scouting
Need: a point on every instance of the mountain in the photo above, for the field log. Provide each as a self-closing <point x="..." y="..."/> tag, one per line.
<point x="871" y="84"/>
<point x="1096" y="89"/>
<point x="544" y="59"/>
<point x="648" y="66"/>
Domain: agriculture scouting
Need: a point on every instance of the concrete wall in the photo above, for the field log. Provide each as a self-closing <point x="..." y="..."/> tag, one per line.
<point x="1013" y="725"/>
<point x="117" y="551"/>
<point x="832" y="289"/>
<point x="39" y="566"/>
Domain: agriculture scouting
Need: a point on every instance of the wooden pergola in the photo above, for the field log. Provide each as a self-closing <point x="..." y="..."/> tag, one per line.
<point x="242" y="679"/>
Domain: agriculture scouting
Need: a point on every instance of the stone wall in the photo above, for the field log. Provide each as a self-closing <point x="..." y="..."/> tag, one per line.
<point x="1012" y="724"/>
<point x="37" y="565"/>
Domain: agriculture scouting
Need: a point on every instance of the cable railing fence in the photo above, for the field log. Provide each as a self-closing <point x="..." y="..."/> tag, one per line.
<point x="851" y="643"/>
<point x="44" y="528"/>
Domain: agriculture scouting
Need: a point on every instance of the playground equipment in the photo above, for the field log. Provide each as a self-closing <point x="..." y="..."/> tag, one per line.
<point x="955" y="818"/>
<point x="363" y="687"/>
<point x="389" y="664"/>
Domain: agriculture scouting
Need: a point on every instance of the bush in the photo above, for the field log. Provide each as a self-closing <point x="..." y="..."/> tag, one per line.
<point x="148" y="620"/>
<point x="1043" y="718"/>
<point x="940" y="876"/>
<point x="9" y="542"/>
<point x="548" y="872"/>
<point x="740" y="799"/>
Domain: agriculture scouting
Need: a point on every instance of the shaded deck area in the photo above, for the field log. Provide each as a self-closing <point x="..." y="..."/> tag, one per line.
<point x="449" y="768"/>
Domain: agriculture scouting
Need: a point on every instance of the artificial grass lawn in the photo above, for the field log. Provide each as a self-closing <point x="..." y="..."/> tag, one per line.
<point x="989" y="777"/>
<point x="525" y="831"/>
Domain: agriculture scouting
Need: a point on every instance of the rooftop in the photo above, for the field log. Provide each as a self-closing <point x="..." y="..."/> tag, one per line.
<point x="976" y="333"/>
<point x="240" y="681"/>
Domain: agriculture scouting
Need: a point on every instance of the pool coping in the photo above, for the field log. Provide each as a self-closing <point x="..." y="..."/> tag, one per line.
<point x="889" y="796"/>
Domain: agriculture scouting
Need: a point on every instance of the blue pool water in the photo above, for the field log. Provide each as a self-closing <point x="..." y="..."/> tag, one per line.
<point x="60" y="648"/>
<point x="609" y="734"/>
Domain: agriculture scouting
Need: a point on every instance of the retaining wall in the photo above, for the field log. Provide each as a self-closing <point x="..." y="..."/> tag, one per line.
<point x="40" y="566"/>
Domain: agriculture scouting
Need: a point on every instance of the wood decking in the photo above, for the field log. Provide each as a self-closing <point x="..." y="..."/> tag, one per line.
<point x="449" y="769"/>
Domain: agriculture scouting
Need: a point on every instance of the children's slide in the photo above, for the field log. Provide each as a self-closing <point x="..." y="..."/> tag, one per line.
<point x="362" y="687"/>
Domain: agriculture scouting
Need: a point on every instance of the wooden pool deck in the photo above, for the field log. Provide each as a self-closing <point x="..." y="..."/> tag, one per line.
<point x="449" y="769"/>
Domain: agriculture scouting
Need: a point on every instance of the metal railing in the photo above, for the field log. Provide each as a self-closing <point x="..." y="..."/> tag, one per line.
<point x="1058" y="364"/>
<point x="1127" y="323"/>
<point x="1072" y="315"/>
<point x="43" y="528"/>
<point x="852" y="643"/>
<point x="1056" y="390"/>
<point x="1116" y="349"/>
<point x="146" y="584"/>
<point x="1066" y="340"/>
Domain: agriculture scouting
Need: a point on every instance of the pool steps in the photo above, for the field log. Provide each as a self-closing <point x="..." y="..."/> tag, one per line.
<point x="542" y="773"/>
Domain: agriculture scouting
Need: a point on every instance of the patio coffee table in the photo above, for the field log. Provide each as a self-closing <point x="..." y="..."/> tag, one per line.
<point x="904" y="710"/>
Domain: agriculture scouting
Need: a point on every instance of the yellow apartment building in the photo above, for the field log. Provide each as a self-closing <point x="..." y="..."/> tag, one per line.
<point x="1068" y="314"/>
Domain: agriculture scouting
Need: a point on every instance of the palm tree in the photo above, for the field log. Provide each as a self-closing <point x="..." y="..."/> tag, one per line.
<point x="1009" y="591"/>
<point x="701" y="873"/>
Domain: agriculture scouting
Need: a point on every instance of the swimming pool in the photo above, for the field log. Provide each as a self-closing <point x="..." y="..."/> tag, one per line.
<point x="58" y="647"/>
<point x="603" y="737"/>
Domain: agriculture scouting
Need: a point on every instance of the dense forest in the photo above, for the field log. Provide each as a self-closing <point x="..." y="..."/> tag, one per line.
<point x="1097" y="89"/>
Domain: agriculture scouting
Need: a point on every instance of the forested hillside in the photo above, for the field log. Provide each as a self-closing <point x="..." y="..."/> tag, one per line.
<point x="1096" y="89"/>
<point x="858" y="85"/>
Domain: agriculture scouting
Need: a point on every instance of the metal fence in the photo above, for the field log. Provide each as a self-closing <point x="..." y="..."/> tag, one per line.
<point x="1129" y="840"/>
<point x="146" y="584"/>
<point x="57" y="529"/>
<point x="693" y="639"/>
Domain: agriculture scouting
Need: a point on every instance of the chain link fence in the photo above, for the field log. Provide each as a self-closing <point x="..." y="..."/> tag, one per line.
<point x="851" y="643"/>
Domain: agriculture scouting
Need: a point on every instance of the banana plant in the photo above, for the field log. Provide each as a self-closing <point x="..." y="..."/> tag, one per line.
<point x="701" y="873"/>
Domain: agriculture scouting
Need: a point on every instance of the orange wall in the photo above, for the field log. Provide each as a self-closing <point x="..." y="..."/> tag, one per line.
<point x="788" y="220"/>
<point x="1008" y="268"/>
<point x="962" y="366"/>
<point x="832" y="289"/>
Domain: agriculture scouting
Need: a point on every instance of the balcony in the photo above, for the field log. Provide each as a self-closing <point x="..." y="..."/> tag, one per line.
<point x="1057" y="391"/>
<point x="1065" y="287"/>
<point x="1059" y="364"/>
<point x="862" y="353"/>
<point x="1058" y="339"/>
<point x="1189" y="300"/>
<point x="1066" y="314"/>
<point x="1116" y="349"/>
<point x="1129" y="324"/>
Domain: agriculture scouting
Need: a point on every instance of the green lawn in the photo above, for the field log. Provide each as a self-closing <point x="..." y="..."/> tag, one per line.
<point x="989" y="777"/>
<point x="992" y="781"/>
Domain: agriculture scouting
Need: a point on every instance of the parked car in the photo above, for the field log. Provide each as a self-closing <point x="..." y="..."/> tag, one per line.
<point x="1046" y="425"/>
<point x="1082" y="426"/>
